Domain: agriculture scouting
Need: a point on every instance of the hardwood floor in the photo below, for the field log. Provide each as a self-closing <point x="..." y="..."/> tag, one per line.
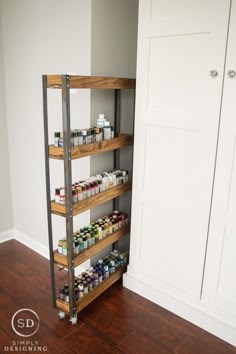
<point x="119" y="321"/>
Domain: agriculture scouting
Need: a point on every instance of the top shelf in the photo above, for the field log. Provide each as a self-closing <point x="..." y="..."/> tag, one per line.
<point x="91" y="82"/>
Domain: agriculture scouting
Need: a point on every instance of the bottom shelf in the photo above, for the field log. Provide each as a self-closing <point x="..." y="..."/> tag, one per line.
<point x="93" y="294"/>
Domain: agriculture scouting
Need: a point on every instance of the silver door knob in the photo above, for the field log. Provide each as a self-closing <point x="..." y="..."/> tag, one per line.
<point x="213" y="73"/>
<point x="231" y="74"/>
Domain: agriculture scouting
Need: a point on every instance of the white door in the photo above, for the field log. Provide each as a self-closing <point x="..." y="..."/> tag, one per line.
<point x="220" y="275"/>
<point x="177" y="116"/>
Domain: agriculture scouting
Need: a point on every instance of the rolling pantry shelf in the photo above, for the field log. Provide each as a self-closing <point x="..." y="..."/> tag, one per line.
<point x="91" y="251"/>
<point x="92" y="149"/>
<point x="93" y="294"/>
<point x="93" y="201"/>
<point x="91" y="82"/>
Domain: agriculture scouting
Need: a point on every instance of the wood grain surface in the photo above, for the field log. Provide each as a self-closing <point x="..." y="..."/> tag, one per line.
<point x="91" y="82"/>
<point x="77" y="152"/>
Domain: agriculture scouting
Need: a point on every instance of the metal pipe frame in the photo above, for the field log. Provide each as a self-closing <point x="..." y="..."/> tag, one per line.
<point x="48" y="190"/>
<point x="68" y="188"/>
<point x="117" y="127"/>
<point x="116" y="153"/>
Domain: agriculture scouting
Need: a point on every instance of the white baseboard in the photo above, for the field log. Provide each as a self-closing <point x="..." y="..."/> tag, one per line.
<point x="31" y="243"/>
<point x="196" y="315"/>
<point x="7" y="235"/>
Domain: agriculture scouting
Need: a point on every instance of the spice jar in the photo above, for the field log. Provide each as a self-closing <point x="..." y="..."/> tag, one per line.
<point x="81" y="290"/>
<point x="64" y="248"/>
<point x="60" y="246"/>
<point x="85" y="284"/>
<point x="56" y="139"/>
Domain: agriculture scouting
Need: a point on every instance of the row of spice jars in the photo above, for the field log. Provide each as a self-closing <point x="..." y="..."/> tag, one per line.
<point x="94" y="232"/>
<point x="96" y="184"/>
<point x="80" y="137"/>
<point x="93" y="276"/>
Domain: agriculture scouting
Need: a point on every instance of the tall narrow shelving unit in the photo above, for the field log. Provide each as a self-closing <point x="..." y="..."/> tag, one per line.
<point x="67" y="154"/>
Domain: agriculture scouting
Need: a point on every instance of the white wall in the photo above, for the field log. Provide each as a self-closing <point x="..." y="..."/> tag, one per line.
<point x="41" y="37"/>
<point x="6" y="221"/>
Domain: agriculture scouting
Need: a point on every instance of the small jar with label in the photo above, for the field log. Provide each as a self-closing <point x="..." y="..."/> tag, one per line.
<point x="107" y="133"/>
<point x="90" y="284"/>
<point x="85" y="242"/>
<point x="72" y="137"/>
<point x="81" y="244"/>
<point x="60" y="246"/>
<point x="76" y="247"/>
<point x="80" y="138"/>
<point x="62" y="196"/>
<point x="62" y="294"/>
<point x="88" y="189"/>
<point x="89" y="240"/>
<point x="112" y="133"/>
<point x="89" y="137"/>
<point x="106" y="271"/>
<point x="79" y="193"/>
<point x="100" y="277"/>
<point x="93" y="135"/>
<point x="84" y="191"/>
<point x="81" y="290"/>
<point x="84" y="136"/>
<point x="61" y="140"/>
<point x="85" y="284"/>
<point x="67" y="298"/>
<point x="76" y="138"/>
<point x="112" y="263"/>
<point x="56" y="139"/>
<point x="100" y="120"/>
<point x="57" y="195"/>
<point x="64" y="248"/>
<point x="96" y="281"/>
<point x="74" y="196"/>
<point x="92" y="237"/>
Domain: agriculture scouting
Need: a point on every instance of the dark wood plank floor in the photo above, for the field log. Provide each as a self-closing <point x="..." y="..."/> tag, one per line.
<point x="119" y="321"/>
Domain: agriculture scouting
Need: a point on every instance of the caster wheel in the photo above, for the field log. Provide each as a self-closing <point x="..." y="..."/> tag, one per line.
<point x="73" y="320"/>
<point x="61" y="315"/>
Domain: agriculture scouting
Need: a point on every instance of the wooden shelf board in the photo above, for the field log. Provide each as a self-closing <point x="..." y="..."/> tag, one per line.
<point x="93" y="294"/>
<point x="97" y="247"/>
<point x="91" y="82"/>
<point x="92" y="149"/>
<point x="93" y="201"/>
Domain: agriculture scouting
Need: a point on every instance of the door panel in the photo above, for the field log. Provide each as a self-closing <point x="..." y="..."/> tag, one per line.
<point x="177" y="116"/>
<point x="169" y="225"/>
<point x="219" y="280"/>
<point x="176" y="96"/>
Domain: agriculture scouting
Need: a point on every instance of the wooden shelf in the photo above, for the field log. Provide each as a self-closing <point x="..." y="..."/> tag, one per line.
<point x="92" y="149"/>
<point x="97" y="247"/>
<point x="93" y="201"/>
<point x="91" y="82"/>
<point x="93" y="294"/>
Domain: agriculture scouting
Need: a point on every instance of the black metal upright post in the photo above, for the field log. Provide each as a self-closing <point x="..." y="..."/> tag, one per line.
<point x="117" y="127"/>
<point x="48" y="189"/>
<point x="68" y="187"/>
<point x="116" y="154"/>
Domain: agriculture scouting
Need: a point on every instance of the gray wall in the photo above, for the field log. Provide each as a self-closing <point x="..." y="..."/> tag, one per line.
<point x="42" y="37"/>
<point x="6" y="221"/>
<point x="114" y="39"/>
